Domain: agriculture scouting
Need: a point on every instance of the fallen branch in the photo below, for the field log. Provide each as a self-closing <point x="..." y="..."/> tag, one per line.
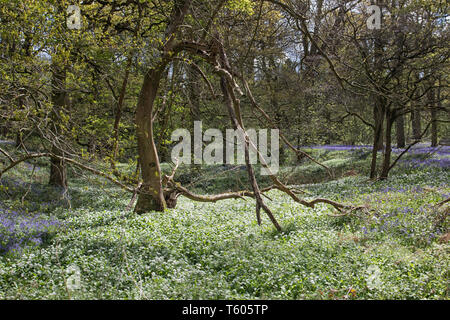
<point x="173" y="185"/>
<point x="439" y="204"/>
<point x="210" y="198"/>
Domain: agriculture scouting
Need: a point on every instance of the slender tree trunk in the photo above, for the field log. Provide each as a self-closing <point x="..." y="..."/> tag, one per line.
<point x="151" y="196"/>
<point x="379" y="100"/>
<point x="378" y="134"/>
<point x="19" y="141"/>
<point x="416" y="125"/>
<point x="272" y="88"/>
<point x="119" y="109"/>
<point x="434" y="128"/>
<point x="380" y="142"/>
<point x="278" y="118"/>
<point x="433" y="111"/>
<point x="58" y="170"/>
<point x="4" y="130"/>
<point x="388" y="138"/>
<point x="400" y="131"/>
<point x="193" y="92"/>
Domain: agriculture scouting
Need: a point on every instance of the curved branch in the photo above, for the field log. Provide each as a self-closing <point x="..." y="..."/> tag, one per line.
<point x="7" y="155"/>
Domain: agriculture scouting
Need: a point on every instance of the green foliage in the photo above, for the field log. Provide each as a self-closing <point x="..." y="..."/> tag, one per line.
<point x="245" y="6"/>
<point x="217" y="251"/>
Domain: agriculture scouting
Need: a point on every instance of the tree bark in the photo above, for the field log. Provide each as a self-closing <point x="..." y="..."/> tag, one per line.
<point x="194" y="101"/>
<point x="434" y="124"/>
<point x="379" y="104"/>
<point x="119" y="109"/>
<point x="164" y="111"/>
<point x="400" y="131"/>
<point x="416" y="125"/>
<point x="380" y="142"/>
<point x="151" y="196"/>
<point x="58" y="170"/>
<point x="378" y="114"/>
<point x="390" y="117"/>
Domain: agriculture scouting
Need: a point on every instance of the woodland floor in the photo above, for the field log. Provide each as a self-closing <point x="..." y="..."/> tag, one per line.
<point x="217" y="250"/>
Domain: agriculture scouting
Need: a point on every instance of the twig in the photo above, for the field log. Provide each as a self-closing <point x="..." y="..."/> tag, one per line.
<point x="133" y="198"/>
<point x="7" y="155"/>
<point x="439" y="204"/>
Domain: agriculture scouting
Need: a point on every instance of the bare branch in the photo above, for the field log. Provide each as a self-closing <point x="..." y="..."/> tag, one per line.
<point x="7" y="155"/>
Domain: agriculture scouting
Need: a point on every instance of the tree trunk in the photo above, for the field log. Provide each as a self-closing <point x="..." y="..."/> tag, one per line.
<point x="388" y="138"/>
<point x="434" y="124"/>
<point x="380" y="142"/>
<point x="19" y="141"/>
<point x="119" y="108"/>
<point x="58" y="170"/>
<point x="4" y="130"/>
<point x="400" y="131"/>
<point x="379" y="103"/>
<point x="194" y="101"/>
<point x="378" y="114"/>
<point x="416" y="125"/>
<point x="278" y="118"/>
<point x="151" y="196"/>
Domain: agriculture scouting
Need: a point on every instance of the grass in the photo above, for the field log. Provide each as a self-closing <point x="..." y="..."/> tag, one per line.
<point x="217" y="251"/>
